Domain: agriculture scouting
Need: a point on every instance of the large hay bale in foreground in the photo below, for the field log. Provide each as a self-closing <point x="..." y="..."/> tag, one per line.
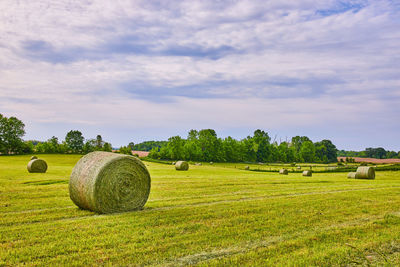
<point x="37" y="166"/>
<point x="181" y="165"/>
<point x="107" y="182"/>
<point x="365" y="172"/>
<point x="307" y="173"/>
<point x="351" y="175"/>
<point x="283" y="171"/>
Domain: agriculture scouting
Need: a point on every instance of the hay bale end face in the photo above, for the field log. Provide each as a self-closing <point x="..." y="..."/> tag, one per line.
<point x="37" y="166"/>
<point x="307" y="173"/>
<point x="181" y="166"/>
<point x="106" y="182"/>
<point x="351" y="175"/>
<point x="365" y="172"/>
<point x="283" y="171"/>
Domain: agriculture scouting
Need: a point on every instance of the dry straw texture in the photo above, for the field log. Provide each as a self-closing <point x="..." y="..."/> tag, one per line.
<point x="37" y="165"/>
<point x="106" y="182"/>
<point x="351" y="175"/>
<point x="181" y="165"/>
<point x="365" y="172"/>
<point x="283" y="171"/>
<point x="307" y="173"/>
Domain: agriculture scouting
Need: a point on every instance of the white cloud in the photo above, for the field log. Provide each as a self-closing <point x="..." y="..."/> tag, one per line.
<point x="223" y="64"/>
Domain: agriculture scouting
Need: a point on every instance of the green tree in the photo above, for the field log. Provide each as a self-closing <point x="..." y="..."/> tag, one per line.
<point x="191" y="149"/>
<point x="210" y="145"/>
<point x="307" y="151"/>
<point x="11" y="132"/>
<point x="99" y="142"/>
<point x="262" y="145"/>
<point x="74" y="141"/>
<point x="107" y="147"/>
<point x="175" y="147"/>
<point x="131" y="145"/>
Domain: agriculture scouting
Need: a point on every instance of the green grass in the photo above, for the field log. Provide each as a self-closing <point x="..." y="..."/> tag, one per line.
<point x="210" y="215"/>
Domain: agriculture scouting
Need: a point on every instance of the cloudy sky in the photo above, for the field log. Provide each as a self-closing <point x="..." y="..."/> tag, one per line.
<point x="148" y="70"/>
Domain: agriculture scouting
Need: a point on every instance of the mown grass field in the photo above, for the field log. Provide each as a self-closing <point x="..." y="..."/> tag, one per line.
<point x="209" y="215"/>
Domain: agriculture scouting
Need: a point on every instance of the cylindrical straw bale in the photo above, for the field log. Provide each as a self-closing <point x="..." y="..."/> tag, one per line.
<point x="37" y="166"/>
<point x="211" y="163"/>
<point x="364" y="172"/>
<point x="107" y="182"/>
<point x="181" y="165"/>
<point x="247" y="167"/>
<point x="351" y="175"/>
<point x="307" y="173"/>
<point x="283" y="171"/>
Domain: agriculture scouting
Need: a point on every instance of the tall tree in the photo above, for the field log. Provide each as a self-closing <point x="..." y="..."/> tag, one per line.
<point x="11" y="132"/>
<point x="307" y="151"/>
<point x="74" y="141"/>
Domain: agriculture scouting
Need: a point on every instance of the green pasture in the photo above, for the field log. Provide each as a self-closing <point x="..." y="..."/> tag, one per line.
<point x="213" y="215"/>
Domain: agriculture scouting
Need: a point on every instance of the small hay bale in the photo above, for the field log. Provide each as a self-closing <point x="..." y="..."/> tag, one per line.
<point x="211" y="163"/>
<point x="198" y="164"/>
<point x="247" y="168"/>
<point x="307" y="173"/>
<point x="37" y="166"/>
<point x="299" y="167"/>
<point x="351" y="175"/>
<point x="181" y="166"/>
<point x="173" y="163"/>
<point x="106" y="182"/>
<point x="33" y="157"/>
<point x="283" y="171"/>
<point x="365" y="172"/>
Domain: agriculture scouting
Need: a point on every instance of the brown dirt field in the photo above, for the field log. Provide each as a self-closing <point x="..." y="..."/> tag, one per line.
<point x="372" y="160"/>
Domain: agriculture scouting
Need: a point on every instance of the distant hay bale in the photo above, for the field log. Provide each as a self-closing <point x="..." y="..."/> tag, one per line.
<point x="307" y="173"/>
<point x="181" y="165"/>
<point x="364" y="172"/>
<point x="211" y="163"/>
<point x="351" y="175"/>
<point x="173" y="163"/>
<point x="299" y="167"/>
<point x="106" y="182"/>
<point x="33" y="157"/>
<point x="198" y="164"/>
<point x="37" y="166"/>
<point x="247" y="167"/>
<point x="283" y="171"/>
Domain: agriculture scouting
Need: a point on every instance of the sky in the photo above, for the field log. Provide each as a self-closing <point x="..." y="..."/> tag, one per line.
<point x="133" y="71"/>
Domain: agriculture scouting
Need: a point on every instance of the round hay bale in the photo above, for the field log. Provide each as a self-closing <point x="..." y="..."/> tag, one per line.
<point x="247" y="168"/>
<point x="299" y="167"/>
<point x="283" y="171"/>
<point x="351" y="175"/>
<point x="106" y="182"/>
<point x="37" y="166"/>
<point x="211" y="163"/>
<point x="198" y="164"/>
<point x="173" y="163"/>
<point x="365" y="172"/>
<point x="181" y="166"/>
<point x="307" y="173"/>
<point x="33" y="157"/>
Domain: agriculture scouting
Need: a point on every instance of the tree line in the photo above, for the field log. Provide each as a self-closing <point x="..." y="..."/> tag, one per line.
<point x="205" y="145"/>
<point x="12" y="130"/>
<point x="370" y="152"/>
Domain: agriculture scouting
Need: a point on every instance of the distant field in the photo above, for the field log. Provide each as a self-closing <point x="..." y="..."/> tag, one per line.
<point x="210" y="215"/>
